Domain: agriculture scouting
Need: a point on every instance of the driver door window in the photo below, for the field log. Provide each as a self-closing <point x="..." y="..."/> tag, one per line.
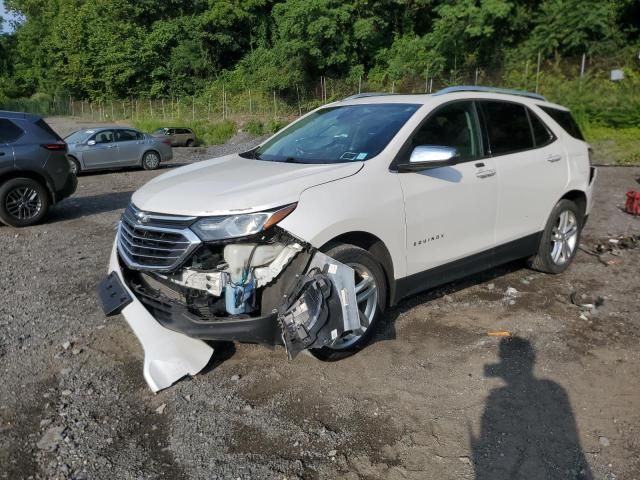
<point x="452" y="125"/>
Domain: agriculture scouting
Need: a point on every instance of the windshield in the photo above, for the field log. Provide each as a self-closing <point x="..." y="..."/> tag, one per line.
<point x="337" y="134"/>
<point x="79" y="136"/>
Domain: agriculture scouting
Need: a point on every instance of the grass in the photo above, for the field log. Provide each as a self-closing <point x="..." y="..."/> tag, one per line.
<point x="206" y="133"/>
<point x="614" y="146"/>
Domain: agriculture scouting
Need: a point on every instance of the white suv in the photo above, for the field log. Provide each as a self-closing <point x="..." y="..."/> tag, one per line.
<point x="306" y="239"/>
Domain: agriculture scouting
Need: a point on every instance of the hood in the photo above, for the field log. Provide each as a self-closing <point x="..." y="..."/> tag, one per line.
<point x="234" y="184"/>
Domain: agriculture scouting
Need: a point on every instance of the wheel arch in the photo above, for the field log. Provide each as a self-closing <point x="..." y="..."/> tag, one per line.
<point x="376" y="247"/>
<point x="33" y="176"/>
<point x="579" y="198"/>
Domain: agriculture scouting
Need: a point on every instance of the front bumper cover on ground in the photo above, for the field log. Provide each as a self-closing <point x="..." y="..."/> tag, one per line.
<point x="168" y="355"/>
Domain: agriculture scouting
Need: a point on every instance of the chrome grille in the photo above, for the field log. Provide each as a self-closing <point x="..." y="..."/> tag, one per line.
<point x="149" y="241"/>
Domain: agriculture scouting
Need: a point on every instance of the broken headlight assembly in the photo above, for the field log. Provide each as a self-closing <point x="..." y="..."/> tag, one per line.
<point x="241" y="225"/>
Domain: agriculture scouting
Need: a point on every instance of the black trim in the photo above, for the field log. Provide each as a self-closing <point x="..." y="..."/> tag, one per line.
<point x="175" y="316"/>
<point x="419" y="282"/>
<point x="112" y="295"/>
<point x="67" y="189"/>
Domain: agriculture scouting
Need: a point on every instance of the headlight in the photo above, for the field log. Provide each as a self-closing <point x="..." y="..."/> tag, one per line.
<point x="232" y="226"/>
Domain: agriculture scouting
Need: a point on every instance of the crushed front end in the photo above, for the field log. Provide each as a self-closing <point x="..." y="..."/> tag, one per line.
<point x="179" y="280"/>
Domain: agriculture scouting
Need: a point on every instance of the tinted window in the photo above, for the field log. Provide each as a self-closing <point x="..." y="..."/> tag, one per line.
<point x="541" y="133"/>
<point x="183" y="130"/>
<point x="507" y="127"/>
<point x="45" y="127"/>
<point x="453" y="125"/>
<point x="126" y="135"/>
<point x="9" y="131"/>
<point x="345" y="133"/>
<point x="565" y="120"/>
<point x="104" y="137"/>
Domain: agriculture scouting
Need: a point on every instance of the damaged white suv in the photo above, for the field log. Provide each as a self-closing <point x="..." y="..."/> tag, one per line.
<point x="306" y="239"/>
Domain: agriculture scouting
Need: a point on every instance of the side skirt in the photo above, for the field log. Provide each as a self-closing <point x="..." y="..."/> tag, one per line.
<point x="449" y="272"/>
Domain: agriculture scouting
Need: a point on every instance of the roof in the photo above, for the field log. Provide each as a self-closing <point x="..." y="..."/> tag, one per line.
<point x="19" y="115"/>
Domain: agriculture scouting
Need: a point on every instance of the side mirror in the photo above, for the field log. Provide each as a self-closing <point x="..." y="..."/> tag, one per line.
<point x="91" y="142"/>
<point x="425" y="157"/>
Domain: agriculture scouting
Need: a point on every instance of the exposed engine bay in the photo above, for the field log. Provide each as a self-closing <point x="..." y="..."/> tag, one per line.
<point x="272" y="274"/>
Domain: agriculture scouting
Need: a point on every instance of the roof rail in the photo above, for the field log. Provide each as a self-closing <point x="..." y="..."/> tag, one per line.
<point x="366" y="94"/>
<point x="476" y="88"/>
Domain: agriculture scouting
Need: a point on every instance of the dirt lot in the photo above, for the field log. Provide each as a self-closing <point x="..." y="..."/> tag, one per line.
<point x="431" y="398"/>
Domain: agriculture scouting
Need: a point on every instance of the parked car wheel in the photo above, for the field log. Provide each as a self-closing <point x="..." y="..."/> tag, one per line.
<point x="23" y="202"/>
<point x="74" y="165"/>
<point x="560" y="238"/>
<point x="189" y="143"/>
<point x="150" y="160"/>
<point x="371" y="293"/>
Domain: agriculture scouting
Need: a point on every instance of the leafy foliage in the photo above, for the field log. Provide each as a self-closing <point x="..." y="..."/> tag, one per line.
<point x="102" y="49"/>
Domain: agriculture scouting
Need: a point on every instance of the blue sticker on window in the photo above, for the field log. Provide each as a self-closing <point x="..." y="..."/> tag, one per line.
<point x="361" y="156"/>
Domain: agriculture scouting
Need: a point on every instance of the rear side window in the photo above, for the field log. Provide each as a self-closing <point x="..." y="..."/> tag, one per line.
<point x="507" y="127"/>
<point x="565" y="120"/>
<point x="541" y="133"/>
<point x="9" y="131"/>
<point x="126" y="135"/>
<point x="44" y="126"/>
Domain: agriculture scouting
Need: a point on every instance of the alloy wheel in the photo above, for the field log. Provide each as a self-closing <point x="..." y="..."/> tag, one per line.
<point x="151" y="160"/>
<point x="564" y="237"/>
<point x="23" y="203"/>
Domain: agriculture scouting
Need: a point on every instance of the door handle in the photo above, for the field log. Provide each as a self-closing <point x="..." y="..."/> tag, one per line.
<point x="554" y="157"/>
<point x="486" y="173"/>
<point x="1" y="154"/>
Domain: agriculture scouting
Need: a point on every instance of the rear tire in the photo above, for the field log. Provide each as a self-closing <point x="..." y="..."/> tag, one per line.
<point x="150" y="160"/>
<point x="23" y="202"/>
<point x="371" y="280"/>
<point x="560" y="239"/>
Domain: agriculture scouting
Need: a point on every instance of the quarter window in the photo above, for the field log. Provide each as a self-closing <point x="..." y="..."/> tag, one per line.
<point x="452" y="125"/>
<point x="565" y="120"/>
<point x="507" y="127"/>
<point x="9" y="131"/>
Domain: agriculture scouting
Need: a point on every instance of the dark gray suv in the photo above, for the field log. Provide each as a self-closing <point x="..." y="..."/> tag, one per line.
<point x="34" y="170"/>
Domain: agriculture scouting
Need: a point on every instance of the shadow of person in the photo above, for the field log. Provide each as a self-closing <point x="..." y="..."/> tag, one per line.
<point x="528" y="429"/>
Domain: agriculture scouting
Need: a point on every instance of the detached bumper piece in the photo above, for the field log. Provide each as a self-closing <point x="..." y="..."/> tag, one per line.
<point x="303" y="320"/>
<point x="323" y="308"/>
<point x="112" y="295"/>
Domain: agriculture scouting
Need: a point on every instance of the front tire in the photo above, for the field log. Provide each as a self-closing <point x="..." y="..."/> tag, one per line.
<point x="371" y="292"/>
<point x="150" y="160"/>
<point x="23" y="202"/>
<point x="74" y="166"/>
<point x="560" y="239"/>
<point x="189" y="143"/>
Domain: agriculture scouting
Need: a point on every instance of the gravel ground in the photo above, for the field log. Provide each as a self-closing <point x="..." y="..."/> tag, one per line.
<point x="421" y="402"/>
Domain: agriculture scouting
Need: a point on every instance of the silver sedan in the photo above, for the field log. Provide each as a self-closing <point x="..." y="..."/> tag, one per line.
<point x="115" y="147"/>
